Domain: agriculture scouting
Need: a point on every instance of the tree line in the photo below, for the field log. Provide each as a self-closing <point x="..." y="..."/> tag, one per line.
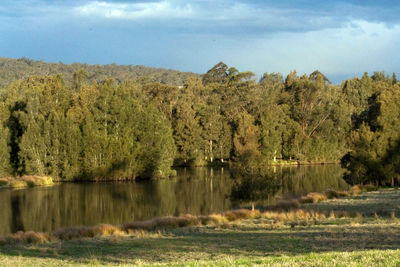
<point x="140" y="128"/>
<point x="14" y="69"/>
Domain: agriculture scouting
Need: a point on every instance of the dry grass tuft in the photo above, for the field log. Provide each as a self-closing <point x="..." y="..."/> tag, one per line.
<point x="239" y="214"/>
<point x="355" y="190"/>
<point x="144" y="225"/>
<point x="146" y="234"/>
<point x="336" y="194"/>
<point x="74" y="233"/>
<point x="293" y="217"/>
<point x="107" y="230"/>
<point x="175" y="222"/>
<point x="313" y="197"/>
<point x="213" y="219"/>
<point x="163" y="222"/>
<point x="332" y="215"/>
<point x="29" y="237"/>
<point x="190" y="220"/>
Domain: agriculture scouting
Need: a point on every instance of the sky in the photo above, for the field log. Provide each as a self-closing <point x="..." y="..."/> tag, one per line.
<point x="342" y="39"/>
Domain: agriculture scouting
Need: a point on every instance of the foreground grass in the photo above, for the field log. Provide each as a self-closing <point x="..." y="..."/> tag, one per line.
<point x="298" y="238"/>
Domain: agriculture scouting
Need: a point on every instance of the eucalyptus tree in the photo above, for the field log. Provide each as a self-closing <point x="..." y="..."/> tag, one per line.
<point x="373" y="156"/>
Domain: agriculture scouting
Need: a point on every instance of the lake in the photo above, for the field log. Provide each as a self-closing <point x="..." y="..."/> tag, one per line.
<point x="194" y="191"/>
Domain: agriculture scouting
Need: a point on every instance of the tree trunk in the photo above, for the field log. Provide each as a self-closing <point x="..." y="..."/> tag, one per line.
<point x="211" y="152"/>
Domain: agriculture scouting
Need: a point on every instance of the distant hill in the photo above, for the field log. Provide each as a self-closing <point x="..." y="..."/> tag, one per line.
<point x="15" y="69"/>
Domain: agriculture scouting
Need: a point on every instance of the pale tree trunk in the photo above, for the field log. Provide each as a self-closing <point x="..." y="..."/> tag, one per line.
<point x="211" y="152"/>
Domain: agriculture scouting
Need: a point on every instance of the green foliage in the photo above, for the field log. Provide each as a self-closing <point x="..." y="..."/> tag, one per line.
<point x="5" y="167"/>
<point x="374" y="155"/>
<point x="95" y="131"/>
<point x="218" y="74"/>
<point x="96" y="127"/>
<point x="187" y="130"/>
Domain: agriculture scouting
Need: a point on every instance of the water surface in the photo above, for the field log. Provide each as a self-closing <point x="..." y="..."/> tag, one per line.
<point x="194" y="191"/>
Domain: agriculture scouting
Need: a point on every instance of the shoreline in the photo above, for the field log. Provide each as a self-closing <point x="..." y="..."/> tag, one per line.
<point x="315" y="235"/>
<point x="188" y="220"/>
<point x="25" y="182"/>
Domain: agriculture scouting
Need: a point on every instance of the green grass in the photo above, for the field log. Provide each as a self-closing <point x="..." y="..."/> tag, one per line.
<point x="288" y="239"/>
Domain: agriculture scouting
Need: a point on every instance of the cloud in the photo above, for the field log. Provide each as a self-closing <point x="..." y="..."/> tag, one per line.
<point x="223" y="17"/>
<point x="357" y="47"/>
<point x="135" y="11"/>
<point x="337" y="37"/>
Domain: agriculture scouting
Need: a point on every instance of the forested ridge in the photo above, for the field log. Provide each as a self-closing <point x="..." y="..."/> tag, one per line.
<point x="14" y="69"/>
<point x="89" y="128"/>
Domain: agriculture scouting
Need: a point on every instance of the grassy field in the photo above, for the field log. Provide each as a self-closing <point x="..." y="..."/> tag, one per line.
<point x="361" y="230"/>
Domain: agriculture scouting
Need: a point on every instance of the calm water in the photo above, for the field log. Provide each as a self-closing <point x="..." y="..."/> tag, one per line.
<point x="195" y="191"/>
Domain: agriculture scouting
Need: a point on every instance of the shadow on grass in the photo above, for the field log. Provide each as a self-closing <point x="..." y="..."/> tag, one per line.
<point x="383" y="203"/>
<point x="191" y="244"/>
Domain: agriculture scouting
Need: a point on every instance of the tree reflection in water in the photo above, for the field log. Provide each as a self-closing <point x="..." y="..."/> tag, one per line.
<point x="195" y="191"/>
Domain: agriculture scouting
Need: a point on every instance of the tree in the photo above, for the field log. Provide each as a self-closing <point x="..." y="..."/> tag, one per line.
<point x="217" y="74"/>
<point x="246" y="145"/>
<point x="375" y="139"/>
<point x="187" y="133"/>
<point x="317" y="110"/>
<point x="5" y="167"/>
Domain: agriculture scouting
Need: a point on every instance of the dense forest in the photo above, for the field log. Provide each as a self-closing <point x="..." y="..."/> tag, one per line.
<point x="87" y="126"/>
